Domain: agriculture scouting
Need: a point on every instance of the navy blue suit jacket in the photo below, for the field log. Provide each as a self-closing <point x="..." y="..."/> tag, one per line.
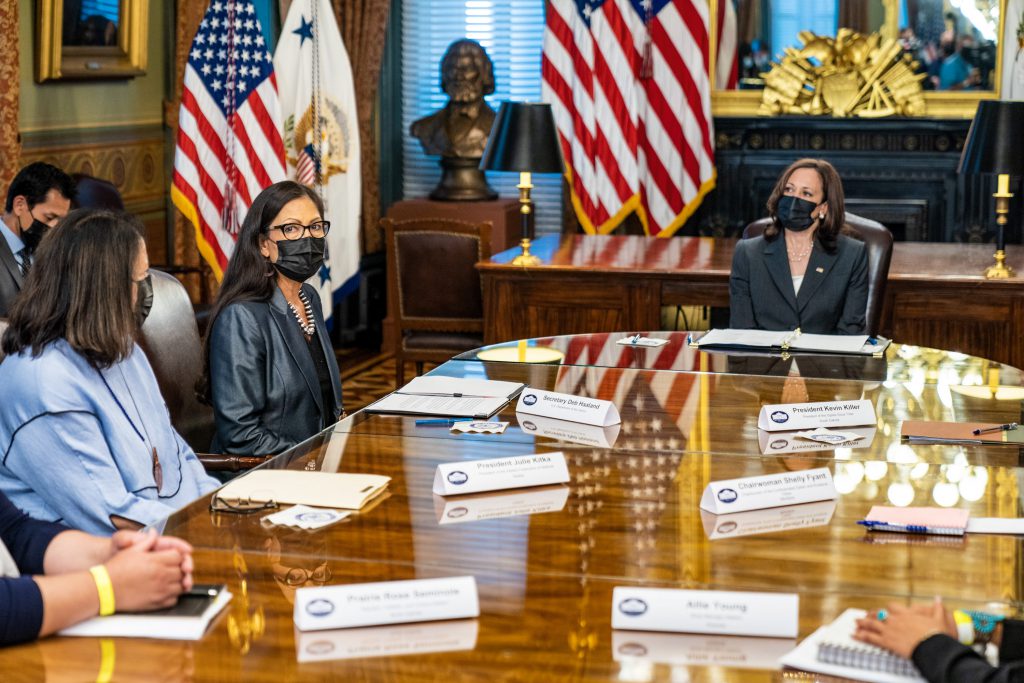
<point x="833" y="295"/>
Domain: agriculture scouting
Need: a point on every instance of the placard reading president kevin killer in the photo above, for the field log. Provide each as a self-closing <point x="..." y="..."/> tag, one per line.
<point x="497" y="474"/>
<point x="787" y="416"/>
<point x="768" y="491"/>
<point x="591" y="411"/>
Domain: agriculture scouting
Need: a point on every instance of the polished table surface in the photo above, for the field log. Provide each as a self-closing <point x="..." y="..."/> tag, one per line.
<point x="629" y="516"/>
<point x="936" y="294"/>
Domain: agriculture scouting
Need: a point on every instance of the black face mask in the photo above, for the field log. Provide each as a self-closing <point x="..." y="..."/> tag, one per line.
<point x="300" y="259"/>
<point x="795" y="213"/>
<point x="33" y="234"/>
<point x="144" y="302"/>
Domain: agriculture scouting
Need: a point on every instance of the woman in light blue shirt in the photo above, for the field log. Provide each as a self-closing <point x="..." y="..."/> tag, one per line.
<point x="85" y="436"/>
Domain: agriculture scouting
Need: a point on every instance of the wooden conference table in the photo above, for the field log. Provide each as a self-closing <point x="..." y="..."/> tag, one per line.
<point x="936" y="294"/>
<point x="546" y="560"/>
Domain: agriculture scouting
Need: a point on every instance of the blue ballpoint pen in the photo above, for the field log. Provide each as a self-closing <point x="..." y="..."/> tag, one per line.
<point x="441" y="421"/>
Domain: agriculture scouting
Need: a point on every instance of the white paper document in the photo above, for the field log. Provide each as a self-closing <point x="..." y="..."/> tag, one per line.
<point x="386" y="602"/>
<point x="591" y="411"/>
<point x="448" y="397"/>
<point x="996" y="525"/>
<point x="498" y="505"/>
<point x="830" y="414"/>
<point x="642" y="341"/>
<point x="498" y="474"/>
<point x="768" y="491"/>
<point x="693" y="611"/>
<point x="386" y="641"/>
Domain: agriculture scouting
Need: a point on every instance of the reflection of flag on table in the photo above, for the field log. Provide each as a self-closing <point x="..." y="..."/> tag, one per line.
<point x="628" y="83"/>
<point x="321" y="135"/>
<point x="229" y="142"/>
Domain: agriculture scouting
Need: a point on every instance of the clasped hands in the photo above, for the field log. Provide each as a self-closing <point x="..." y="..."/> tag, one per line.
<point x="148" y="571"/>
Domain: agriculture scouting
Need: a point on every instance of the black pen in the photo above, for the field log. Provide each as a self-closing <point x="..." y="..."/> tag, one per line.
<point x="1001" y="428"/>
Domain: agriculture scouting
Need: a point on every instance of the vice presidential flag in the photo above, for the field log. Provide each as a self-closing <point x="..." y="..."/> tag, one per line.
<point x="628" y="83"/>
<point x="229" y="144"/>
<point x="321" y="135"/>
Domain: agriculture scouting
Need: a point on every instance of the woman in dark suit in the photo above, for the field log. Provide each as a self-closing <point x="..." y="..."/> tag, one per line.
<point x="270" y="372"/>
<point x="801" y="273"/>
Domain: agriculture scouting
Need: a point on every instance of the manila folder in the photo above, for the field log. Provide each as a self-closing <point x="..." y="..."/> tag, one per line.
<point x="299" y="487"/>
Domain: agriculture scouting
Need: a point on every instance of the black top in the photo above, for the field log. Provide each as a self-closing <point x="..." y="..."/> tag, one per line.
<point x="323" y="375"/>
<point x="942" y="659"/>
<point x="832" y="298"/>
<point x="21" y="603"/>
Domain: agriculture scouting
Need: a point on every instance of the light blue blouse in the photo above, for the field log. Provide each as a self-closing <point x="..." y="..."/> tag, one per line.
<point x="77" y="442"/>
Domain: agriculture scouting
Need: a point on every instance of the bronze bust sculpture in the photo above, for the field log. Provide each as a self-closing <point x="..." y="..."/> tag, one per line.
<point x="458" y="132"/>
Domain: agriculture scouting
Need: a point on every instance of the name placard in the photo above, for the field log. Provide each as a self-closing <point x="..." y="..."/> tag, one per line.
<point x="386" y="602"/>
<point x="573" y="432"/>
<point x="498" y="474"/>
<point x="767" y="521"/>
<point x="591" y="411"/>
<point x="717" y="612"/>
<point x="787" y="416"/>
<point x="768" y="491"/>
<point x="386" y="641"/>
<point x="789" y="442"/>
<point x="735" y="652"/>
<point x="497" y="505"/>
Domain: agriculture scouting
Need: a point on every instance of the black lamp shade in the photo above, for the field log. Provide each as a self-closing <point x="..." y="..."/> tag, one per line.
<point x="994" y="141"/>
<point x="523" y="138"/>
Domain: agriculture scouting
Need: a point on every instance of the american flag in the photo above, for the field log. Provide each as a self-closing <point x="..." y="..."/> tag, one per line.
<point x="229" y="145"/>
<point x="628" y="82"/>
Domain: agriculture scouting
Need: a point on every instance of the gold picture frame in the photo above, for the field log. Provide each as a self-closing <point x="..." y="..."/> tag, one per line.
<point x="942" y="105"/>
<point x="125" y="57"/>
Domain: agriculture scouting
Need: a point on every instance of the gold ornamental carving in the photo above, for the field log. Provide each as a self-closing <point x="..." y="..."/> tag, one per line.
<point x="850" y="75"/>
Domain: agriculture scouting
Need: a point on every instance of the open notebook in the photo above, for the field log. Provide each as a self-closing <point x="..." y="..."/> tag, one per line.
<point x="831" y="650"/>
<point x="856" y="344"/>
<point x="448" y="397"/>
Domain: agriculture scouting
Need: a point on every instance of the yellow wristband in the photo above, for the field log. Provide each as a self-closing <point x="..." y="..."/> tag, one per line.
<point x="104" y="588"/>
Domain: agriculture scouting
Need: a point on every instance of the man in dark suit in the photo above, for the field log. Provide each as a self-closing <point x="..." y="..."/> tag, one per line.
<point x="38" y="197"/>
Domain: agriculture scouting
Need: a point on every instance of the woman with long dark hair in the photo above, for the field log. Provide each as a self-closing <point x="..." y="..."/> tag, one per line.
<point x="270" y="371"/>
<point x="801" y="273"/>
<point x="85" y="435"/>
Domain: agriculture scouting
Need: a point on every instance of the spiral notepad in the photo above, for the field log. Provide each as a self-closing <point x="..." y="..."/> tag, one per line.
<point x="831" y="650"/>
<point x="863" y="656"/>
<point x="918" y="520"/>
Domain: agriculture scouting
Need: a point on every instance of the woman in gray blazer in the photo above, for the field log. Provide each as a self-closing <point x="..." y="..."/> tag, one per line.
<point x="801" y="273"/>
<point x="270" y="370"/>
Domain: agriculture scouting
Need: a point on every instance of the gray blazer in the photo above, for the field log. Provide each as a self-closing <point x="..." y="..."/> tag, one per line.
<point x="10" y="278"/>
<point x="833" y="295"/>
<point x="265" y="391"/>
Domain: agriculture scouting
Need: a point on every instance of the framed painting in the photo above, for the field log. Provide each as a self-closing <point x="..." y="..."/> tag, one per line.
<point x="79" y="39"/>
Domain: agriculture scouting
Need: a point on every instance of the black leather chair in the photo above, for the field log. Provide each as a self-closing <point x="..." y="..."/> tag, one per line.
<point x="170" y="338"/>
<point x="95" y="193"/>
<point x="435" y="301"/>
<point x="878" y="240"/>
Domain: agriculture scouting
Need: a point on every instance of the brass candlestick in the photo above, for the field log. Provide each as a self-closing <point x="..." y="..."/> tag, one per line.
<point x="1001" y="271"/>
<point x="525" y="209"/>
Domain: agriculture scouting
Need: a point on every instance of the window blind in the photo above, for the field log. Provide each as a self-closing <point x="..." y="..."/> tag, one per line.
<point x="512" y="32"/>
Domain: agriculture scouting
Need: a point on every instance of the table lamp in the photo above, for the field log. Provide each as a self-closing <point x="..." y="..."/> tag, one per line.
<point x="992" y="146"/>
<point x="523" y="138"/>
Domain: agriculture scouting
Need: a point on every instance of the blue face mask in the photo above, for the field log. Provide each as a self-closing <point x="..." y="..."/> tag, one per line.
<point x="795" y="213"/>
